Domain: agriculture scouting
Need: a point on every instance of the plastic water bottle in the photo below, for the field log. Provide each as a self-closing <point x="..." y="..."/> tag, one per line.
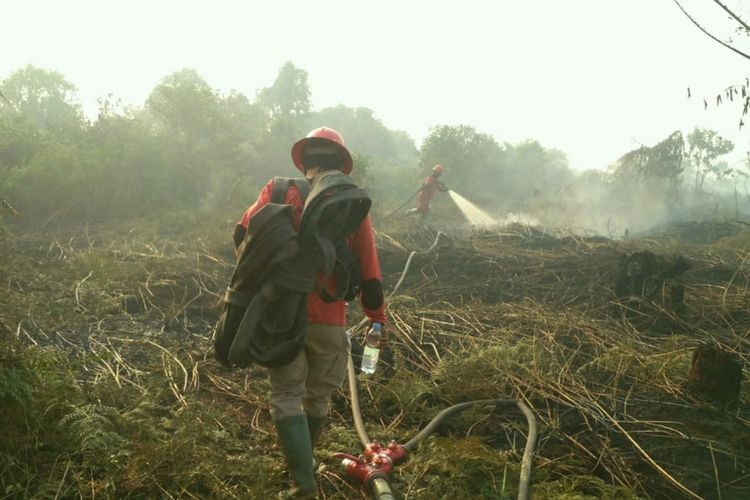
<point x="372" y="350"/>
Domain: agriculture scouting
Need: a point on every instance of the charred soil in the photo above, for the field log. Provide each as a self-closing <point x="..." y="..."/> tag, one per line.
<point x="108" y="386"/>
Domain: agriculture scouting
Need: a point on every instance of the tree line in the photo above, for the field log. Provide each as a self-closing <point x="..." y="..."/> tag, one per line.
<point x="187" y="148"/>
<point x="191" y="148"/>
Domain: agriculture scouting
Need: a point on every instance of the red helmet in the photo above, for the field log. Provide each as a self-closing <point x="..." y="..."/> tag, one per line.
<point x="326" y="134"/>
<point x="438" y="169"/>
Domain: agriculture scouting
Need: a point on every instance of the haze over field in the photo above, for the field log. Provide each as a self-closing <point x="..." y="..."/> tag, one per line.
<point x="593" y="78"/>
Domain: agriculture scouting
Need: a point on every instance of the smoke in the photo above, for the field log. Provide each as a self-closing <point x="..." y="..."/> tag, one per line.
<point x="596" y="203"/>
<point x="523" y="219"/>
<point x="593" y="202"/>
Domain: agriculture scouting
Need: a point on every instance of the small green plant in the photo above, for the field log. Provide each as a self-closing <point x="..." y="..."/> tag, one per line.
<point x="17" y="381"/>
<point x="14" y="385"/>
<point x="93" y="427"/>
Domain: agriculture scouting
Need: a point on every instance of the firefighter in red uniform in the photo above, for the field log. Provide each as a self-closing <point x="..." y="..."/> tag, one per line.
<point x="430" y="186"/>
<point x="301" y="391"/>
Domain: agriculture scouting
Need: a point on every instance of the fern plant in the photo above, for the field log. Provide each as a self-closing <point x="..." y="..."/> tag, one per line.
<point x="93" y="427"/>
<point x="17" y="382"/>
<point x="14" y="386"/>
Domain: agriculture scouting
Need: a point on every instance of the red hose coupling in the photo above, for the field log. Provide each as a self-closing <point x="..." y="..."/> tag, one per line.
<point x="377" y="461"/>
<point x="394" y="452"/>
<point x="359" y="470"/>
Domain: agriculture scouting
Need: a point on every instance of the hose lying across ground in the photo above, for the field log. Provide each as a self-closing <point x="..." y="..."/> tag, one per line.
<point x="380" y="486"/>
<point x="528" y="453"/>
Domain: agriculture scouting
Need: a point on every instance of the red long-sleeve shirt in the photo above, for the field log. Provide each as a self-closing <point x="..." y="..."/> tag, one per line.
<point x="362" y="243"/>
<point x="430" y="186"/>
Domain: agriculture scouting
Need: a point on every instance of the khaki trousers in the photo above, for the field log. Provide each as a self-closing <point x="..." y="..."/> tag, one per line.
<point x="305" y="385"/>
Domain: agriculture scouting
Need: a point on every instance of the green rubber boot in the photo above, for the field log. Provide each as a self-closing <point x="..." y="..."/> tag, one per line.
<point x="294" y="437"/>
<point x="316" y="426"/>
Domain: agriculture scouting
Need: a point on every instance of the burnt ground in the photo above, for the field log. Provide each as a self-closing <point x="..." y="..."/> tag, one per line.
<point x="109" y="388"/>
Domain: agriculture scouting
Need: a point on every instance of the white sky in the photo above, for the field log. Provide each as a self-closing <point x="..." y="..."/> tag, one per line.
<point x="594" y="78"/>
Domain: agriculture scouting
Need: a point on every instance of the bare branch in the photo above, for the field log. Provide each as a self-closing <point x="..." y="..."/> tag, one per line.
<point x="737" y="51"/>
<point x="734" y="16"/>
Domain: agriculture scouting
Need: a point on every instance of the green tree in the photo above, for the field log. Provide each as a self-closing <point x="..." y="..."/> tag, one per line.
<point x="650" y="173"/>
<point x="44" y="97"/>
<point x="285" y="107"/>
<point x="186" y="107"/>
<point x="186" y="117"/>
<point x="530" y="170"/>
<point x="19" y="139"/>
<point x="703" y="151"/>
<point x="362" y="172"/>
<point x="138" y="171"/>
<point x="236" y="151"/>
<point x="288" y="97"/>
<point x="213" y="141"/>
<point x="471" y="159"/>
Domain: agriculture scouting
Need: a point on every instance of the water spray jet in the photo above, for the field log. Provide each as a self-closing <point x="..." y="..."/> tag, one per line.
<point x="473" y="214"/>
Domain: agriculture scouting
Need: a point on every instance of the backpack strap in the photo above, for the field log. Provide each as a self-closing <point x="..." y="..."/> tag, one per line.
<point x="281" y="187"/>
<point x="347" y="274"/>
<point x="303" y="186"/>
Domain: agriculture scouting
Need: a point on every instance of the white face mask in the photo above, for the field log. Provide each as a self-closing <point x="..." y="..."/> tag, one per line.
<point x="320" y="175"/>
<point x="311" y="173"/>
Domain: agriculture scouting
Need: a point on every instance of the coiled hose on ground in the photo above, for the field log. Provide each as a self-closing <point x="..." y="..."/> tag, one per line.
<point x="380" y="487"/>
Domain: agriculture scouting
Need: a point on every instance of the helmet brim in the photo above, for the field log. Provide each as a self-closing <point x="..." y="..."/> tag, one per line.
<point x="299" y="148"/>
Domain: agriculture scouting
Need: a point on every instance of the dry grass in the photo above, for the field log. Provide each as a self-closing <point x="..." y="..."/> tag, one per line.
<point x="106" y="335"/>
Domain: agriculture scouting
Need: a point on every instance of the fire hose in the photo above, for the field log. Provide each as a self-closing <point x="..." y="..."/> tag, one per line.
<point x="405" y="203"/>
<point x="377" y="462"/>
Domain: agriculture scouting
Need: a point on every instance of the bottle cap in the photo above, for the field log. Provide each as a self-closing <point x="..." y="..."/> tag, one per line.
<point x="376" y="326"/>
